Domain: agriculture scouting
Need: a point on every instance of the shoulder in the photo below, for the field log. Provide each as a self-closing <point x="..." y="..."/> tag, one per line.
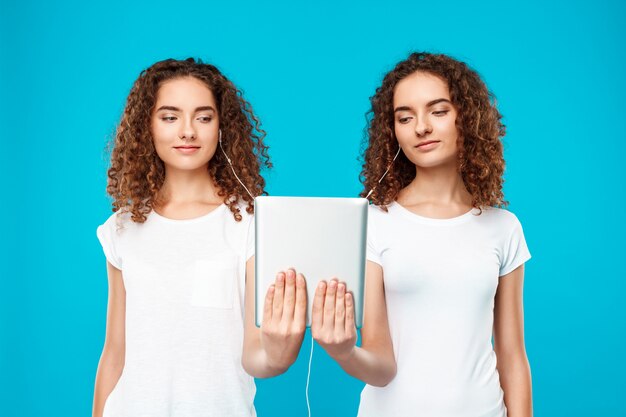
<point x="231" y="222"/>
<point x="239" y="235"/>
<point x="501" y="218"/>
<point x="384" y="216"/>
<point x="243" y="210"/>
<point x="381" y="222"/>
<point x="380" y="213"/>
<point x="374" y="210"/>
<point x="111" y="235"/>
<point x="507" y="231"/>
<point x="117" y="221"/>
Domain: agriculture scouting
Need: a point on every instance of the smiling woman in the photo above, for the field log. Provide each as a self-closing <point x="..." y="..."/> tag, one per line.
<point x="158" y="110"/>
<point x="180" y="250"/>
<point x="444" y="91"/>
<point x="445" y="264"/>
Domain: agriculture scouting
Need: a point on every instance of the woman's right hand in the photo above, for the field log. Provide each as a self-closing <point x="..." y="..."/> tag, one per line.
<point x="284" y="319"/>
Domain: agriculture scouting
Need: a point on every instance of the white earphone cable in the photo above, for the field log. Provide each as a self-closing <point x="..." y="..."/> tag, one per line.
<point x="386" y="171"/>
<point x="231" y="166"/>
<point x="308" y="377"/>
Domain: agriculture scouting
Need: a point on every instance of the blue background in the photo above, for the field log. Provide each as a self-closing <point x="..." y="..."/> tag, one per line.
<point x="309" y="68"/>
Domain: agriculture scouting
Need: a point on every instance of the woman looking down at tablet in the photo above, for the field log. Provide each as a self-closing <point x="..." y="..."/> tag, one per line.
<point x="177" y="247"/>
<point x="445" y="264"/>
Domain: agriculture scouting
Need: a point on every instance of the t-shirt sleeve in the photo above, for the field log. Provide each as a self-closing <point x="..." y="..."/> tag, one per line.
<point x="515" y="251"/>
<point x="372" y="251"/>
<point x="250" y="240"/>
<point x="108" y="237"/>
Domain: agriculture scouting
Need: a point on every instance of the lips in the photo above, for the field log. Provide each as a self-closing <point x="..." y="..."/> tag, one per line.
<point x="187" y="150"/>
<point x="426" y="143"/>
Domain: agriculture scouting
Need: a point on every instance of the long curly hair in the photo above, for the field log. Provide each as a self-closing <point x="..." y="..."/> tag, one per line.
<point x="137" y="173"/>
<point x="480" y="157"/>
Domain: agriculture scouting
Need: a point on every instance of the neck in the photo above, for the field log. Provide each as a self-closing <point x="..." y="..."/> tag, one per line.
<point x="184" y="186"/>
<point x="438" y="186"/>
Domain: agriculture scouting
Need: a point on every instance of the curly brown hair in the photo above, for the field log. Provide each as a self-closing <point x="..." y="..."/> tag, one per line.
<point x="137" y="173"/>
<point x="480" y="158"/>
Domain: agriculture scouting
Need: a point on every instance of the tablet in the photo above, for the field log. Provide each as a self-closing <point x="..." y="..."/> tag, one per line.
<point x="322" y="238"/>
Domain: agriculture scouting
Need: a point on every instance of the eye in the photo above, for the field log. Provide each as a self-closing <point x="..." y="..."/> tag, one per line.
<point x="440" y="113"/>
<point x="205" y="119"/>
<point x="404" y="120"/>
<point x="169" y="119"/>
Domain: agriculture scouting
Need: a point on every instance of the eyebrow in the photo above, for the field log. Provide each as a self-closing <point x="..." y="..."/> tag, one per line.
<point x="172" y="108"/>
<point x="429" y="104"/>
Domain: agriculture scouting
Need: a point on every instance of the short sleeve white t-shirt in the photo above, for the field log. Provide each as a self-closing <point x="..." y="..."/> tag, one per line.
<point x="441" y="277"/>
<point x="184" y="282"/>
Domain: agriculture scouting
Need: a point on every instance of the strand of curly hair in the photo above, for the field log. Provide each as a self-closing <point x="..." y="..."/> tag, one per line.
<point x="137" y="173"/>
<point x="480" y="158"/>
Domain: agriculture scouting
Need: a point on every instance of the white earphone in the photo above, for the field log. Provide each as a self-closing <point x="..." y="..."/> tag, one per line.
<point x="386" y="171"/>
<point x="231" y="165"/>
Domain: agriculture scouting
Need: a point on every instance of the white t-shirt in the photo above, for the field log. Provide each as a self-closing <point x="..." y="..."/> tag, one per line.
<point x="441" y="277"/>
<point x="184" y="283"/>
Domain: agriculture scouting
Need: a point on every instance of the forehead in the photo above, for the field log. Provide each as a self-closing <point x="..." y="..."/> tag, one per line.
<point x="420" y="88"/>
<point x="185" y="92"/>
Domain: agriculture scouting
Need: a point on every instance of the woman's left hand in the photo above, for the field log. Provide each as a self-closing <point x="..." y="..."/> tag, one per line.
<point x="332" y="321"/>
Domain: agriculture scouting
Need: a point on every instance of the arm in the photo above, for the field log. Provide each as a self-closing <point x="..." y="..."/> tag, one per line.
<point x="333" y="328"/>
<point x="509" y="346"/>
<point x="272" y="349"/>
<point x="113" y="354"/>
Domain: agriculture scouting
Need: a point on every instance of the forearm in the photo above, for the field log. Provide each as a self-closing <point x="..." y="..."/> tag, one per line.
<point x="516" y="383"/>
<point x="374" y="367"/>
<point x="333" y="327"/>
<point x="107" y="376"/>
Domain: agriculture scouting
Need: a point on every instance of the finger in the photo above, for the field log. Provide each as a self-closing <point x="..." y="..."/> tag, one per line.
<point x="279" y="290"/>
<point x="340" y="307"/>
<point x="301" y="301"/>
<point x="350" y="326"/>
<point x="267" y="307"/>
<point x="317" y="315"/>
<point x="290" y="294"/>
<point x="329" y="304"/>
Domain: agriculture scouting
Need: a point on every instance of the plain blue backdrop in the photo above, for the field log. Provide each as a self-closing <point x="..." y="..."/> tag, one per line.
<point x="309" y="68"/>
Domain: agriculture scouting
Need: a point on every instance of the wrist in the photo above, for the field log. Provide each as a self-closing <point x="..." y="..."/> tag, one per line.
<point x="277" y="364"/>
<point x="344" y="356"/>
<point x="276" y="369"/>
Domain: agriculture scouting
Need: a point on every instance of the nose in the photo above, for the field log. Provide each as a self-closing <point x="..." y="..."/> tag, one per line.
<point x="422" y="127"/>
<point x="187" y="131"/>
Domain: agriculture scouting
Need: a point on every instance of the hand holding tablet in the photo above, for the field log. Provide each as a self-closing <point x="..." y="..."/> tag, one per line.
<point x="333" y="324"/>
<point x="284" y="315"/>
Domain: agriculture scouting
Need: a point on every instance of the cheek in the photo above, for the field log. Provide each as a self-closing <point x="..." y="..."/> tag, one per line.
<point x="209" y="132"/>
<point x="161" y="151"/>
<point x="209" y="139"/>
<point x="161" y="141"/>
<point x="449" y="130"/>
<point x="163" y="134"/>
<point x="157" y="132"/>
<point x="404" y="133"/>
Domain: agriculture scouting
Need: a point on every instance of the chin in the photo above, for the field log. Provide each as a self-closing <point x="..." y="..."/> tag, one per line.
<point x="185" y="166"/>
<point x="434" y="162"/>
